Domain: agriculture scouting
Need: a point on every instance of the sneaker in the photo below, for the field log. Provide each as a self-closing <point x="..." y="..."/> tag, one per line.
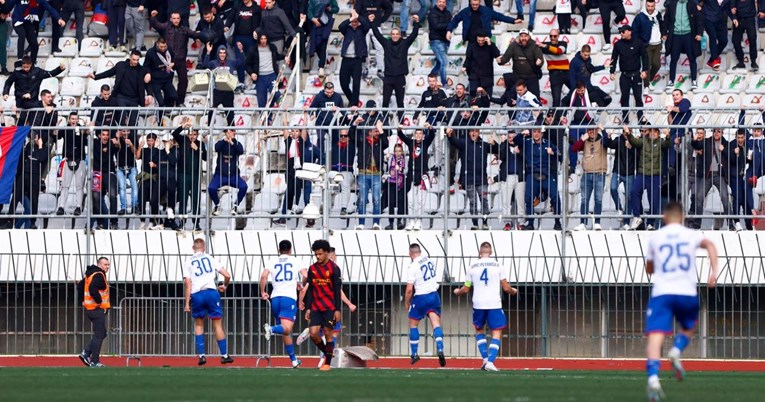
<point x="711" y="64"/>
<point x="344" y="211"/>
<point x="670" y="86"/>
<point x="580" y="227"/>
<point x="97" y="365"/>
<point x="216" y="211"/>
<point x="401" y="226"/>
<point x="226" y="359"/>
<point x="755" y="67"/>
<point x="359" y="227"/>
<point x="414" y="359"/>
<point x="233" y="210"/>
<point x="280" y="221"/>
<point x="268" y="331"/>
<point x="121" y="212"/>
<point x="376" y="226"/>
<point x="297" y="363"/>
<point x="694" y="85"/>
<point x="654" y="392"/>
<point x="322" y="359"/>
<point x="490" y="367"/>
<point x="417" y="225"/>
<point x="202" y="360"/>
<point x="441" y="359"/>
<point x="321" y="73"/>
<point x="410" y="225"/>
<point x="77" y="211"/>
<point x="597" y="226"/>
<point x="738" y="227"/>
<point x="475" y="227"/>
<point x="483" y="365"/>
<point x="302" y="337"/>
<point x="716" y="63"/>
<point x="557" y="226"/>
<point x="170" y="213"/>
<point x="4" y="71"/>
<point x="649" y="227"/>
<point x="635" y="223"/>
<point x="325" y="367"/>
<point x="677" y="365"/>
<point x="606" y="47"/>
<point x="508" y="226"/>
<point x="60" y="211"/>
<point x="739" y="66"/>
<point x="626" y="226"/>
<point x="84" y="358"/>
<point x="389" y="227"/>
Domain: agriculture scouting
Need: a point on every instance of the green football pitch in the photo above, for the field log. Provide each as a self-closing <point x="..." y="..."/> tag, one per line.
<point x="218" y="384"/>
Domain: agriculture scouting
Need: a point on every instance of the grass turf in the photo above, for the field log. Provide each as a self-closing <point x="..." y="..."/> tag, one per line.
<point x="213" y="384"/>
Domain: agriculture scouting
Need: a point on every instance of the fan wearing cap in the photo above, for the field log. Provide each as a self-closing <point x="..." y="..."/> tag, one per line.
<point x="149" y="177"/>
<point x="527" y="60"/>
<point x="479" y="63"/>
<point x="630" y="54"/>
<point x="105" y="150"/>
<point x="684" y="29"/>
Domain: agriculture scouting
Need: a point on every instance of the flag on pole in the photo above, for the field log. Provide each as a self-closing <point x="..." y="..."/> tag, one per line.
<point x="11" y="145"/>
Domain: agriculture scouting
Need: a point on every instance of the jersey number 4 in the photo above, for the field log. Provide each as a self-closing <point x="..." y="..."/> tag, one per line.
<point x="485" y="276"/>
<point x="677" y="257"/>
<point x="202" y="266"/>
<point x="428" y="271"/>
<point x="283" y="272"/>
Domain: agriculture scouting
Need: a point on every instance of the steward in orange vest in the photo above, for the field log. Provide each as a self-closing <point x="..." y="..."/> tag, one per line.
<point x="95" y="291"/>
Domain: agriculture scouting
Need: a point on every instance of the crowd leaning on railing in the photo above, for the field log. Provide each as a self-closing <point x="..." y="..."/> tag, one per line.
<point x="142" y="149"/>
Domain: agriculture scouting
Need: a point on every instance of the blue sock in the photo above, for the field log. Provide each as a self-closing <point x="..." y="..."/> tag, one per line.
<point x="493" y="350"/>
<point x="414" y="339"/>
<point x="290" y="349"/>
<point x="480" y="341"/>
<point x="199" y="340"/>
<point x="438" y="333"/>
<point x="681" y="342"/>
<point x="277" y="329"/>
<point x="652" y="367"/>
<point x="223" y="347"/>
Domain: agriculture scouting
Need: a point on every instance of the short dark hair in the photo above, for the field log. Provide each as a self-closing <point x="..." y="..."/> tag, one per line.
<point x="520" y="83"/>
<point x="674" y="207"/>
<point x="135" y="52"/>
<point x="26" y="60"/>
<point x="161" y="39"/>
<point x="460" y="85"/>
<point x="580" y="84"/>
<point x="415" y="247"/>
<point x="486" y="245"/>
<point x="98" y="261"/>
<point x="320" y="245"/>
<point x="45" y="92"/>
<point x="105" y="87"/>
<point x="650" y="1"/>
<point x="73" y="113"/>
<point x="679" y="90"/>
<point x="331" y="249"/>
<point x="432" y="75"/>
<point x="586" y="48"/>
<point x="285" y="246"/>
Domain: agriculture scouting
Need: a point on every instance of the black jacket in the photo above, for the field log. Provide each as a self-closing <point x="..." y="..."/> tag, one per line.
<point x="28" y="82"/>
<point x="382" y="9"/>
<point x="696" y="22"/>
<point x="33" y="163"/>
<point x="625" y="159"/>
<point x="156" y="67"/>
<point x="177" y="37"/>
<point x="357" y="36"/>
<point x="103" y="117"/>
<point x="736" y="163"/>
<point x="431" y="99"/>
<point x="368" y="150"/>
<point x="211" y="32"/>
<point x="473" y="155"/>
<point x="74" y="143"/>
<point x="45" y="119"/>
<point x="128" y="81"/>
<point x="438" y="23"/>
<point x="479" y="60"/>
<point x="633" y="56"/>
<point x="189" y="160"/>
<point x="511" y="162"/>
<point x="247" y="19"/>
<point x="708" y="156"/>
<point x="744" y="8"/>
<point x="252" y="63"/>
<point x="104" y="156"/>
<point x="418" y="154"/>
<point x="396" y="53"/>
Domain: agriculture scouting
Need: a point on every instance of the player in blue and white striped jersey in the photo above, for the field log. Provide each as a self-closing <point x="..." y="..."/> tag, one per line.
<point x="422" y="282"/>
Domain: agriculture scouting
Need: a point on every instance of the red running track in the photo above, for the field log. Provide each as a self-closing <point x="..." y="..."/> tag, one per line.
<point x="398" y="363"/>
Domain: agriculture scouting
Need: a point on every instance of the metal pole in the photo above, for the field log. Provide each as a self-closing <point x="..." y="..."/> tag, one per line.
<point x="210" y="159"/>
<point x="297" y="68"/>
<point x="327" y="196"/>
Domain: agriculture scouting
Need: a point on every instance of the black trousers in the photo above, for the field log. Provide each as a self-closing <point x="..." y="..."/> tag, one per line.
<point x="606" y="8"/>
<point x="97" y="319"/>
<point x="27" y="32"/>
<point x="394" y="197"/>
<point x="295" y="189"/>
<point x="225" y="99"/>
<point x="627" y="82"/>
<point x="26" y="186"/>
<point x="747" y="25"/>
<point x="68" y="9"/>
<point x="109" y="189"/>
<point x="485" y="82"/>
<point x="394" y="84"/>
<point x="183" y="81"/>
<point x="150" y="193"/>
<point x="558" y="78"/>
<point x="350" y="70"/>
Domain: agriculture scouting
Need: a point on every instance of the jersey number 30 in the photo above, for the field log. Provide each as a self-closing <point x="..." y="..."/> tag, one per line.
<point x="677" y="257"/>
<point x="202" y="266"/>
<point x="283" y="272"/>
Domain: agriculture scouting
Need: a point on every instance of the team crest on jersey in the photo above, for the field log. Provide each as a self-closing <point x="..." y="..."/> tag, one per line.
<point x="328" y="273"/>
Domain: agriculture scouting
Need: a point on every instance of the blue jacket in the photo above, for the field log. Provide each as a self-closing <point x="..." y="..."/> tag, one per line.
<point x="538" y="161"/>
<point x="473" y="155"/>
<point x="228" y="158"/>
<point x="512" y="163"/>
<point x="712" y="11"/>
<point x="487" y="15"/>
<point x="357" y="36"/>
<point x="642" y="26"/>
<point x="581" y="70"/>
<point x="324" y="105"/>
<point x="22" y="8"/>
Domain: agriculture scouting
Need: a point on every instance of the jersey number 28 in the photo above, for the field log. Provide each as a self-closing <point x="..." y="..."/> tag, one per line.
<point x="428" y="271"/>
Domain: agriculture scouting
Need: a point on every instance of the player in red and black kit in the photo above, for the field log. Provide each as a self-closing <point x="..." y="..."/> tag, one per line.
<point x="323" y="299"/>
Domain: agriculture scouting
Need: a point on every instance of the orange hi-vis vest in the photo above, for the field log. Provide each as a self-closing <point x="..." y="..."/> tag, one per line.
<point x="88" y="301"/>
